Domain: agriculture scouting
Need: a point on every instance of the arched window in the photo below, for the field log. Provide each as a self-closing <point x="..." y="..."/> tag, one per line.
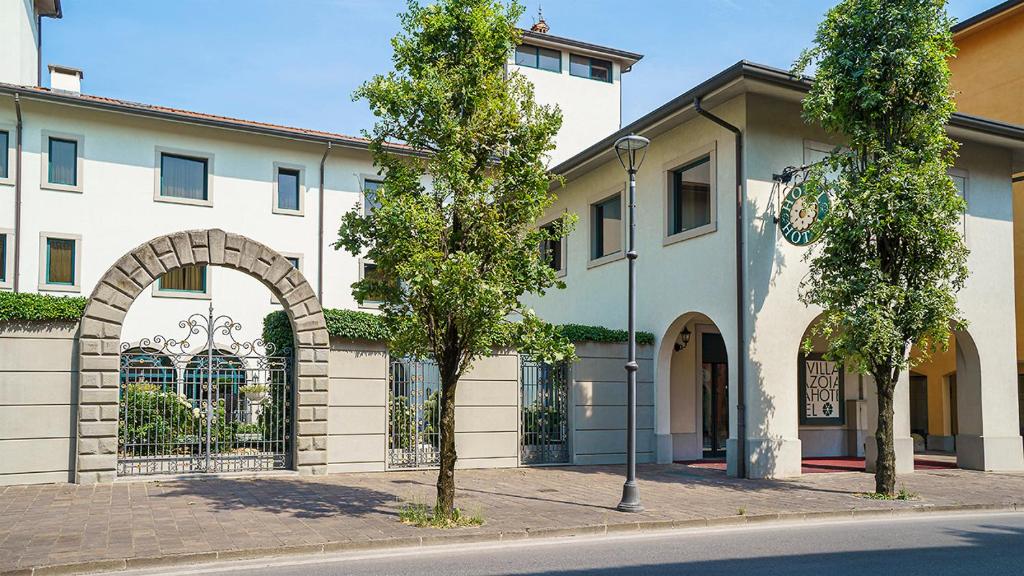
<point x="147" y="365"/>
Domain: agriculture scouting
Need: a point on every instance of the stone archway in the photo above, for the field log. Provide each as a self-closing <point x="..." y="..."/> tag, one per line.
<point x="100" y="333"/>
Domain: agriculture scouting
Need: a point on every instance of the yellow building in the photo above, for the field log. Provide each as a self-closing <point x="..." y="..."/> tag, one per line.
<point x="988" y="78"/>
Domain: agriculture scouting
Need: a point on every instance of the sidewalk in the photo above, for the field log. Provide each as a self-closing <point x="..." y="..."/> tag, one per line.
<point x="188" y="521"/>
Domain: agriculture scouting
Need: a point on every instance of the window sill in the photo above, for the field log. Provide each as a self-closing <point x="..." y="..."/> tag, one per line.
<point x="286" y="212"/>
<point x="6" y="181"/>
<point x="182" y="295"/>
<point x="368" y="305"/>
<point x="689" y="234"/>
<point x="77" y="189"/>
<point x="60" y="288"/>
<point x="185" y="201"/>
<point x="621" y="255"/>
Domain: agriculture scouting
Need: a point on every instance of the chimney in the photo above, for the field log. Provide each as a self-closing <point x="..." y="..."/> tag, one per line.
<point x="65" y="79"/>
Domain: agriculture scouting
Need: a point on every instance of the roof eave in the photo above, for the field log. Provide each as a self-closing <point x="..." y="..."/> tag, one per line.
<point x="626" y="59"/>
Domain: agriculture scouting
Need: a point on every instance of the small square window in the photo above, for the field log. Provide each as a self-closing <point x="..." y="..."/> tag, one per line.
<point x="60" y="261"/>
<point x="63" y="162"/>
<point x="293" y="260"/>
<point x="183" y="177"/>
<point x="5" y="144"/>
<point x="606" y="227"/>
<point x="369" y="271"/>
<point x="370" y="203"/>
<point x="690" y="197"/>
<point x="288" y="189"/>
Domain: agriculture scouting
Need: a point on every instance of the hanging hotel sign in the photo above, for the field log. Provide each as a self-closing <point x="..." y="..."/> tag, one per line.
<point x="822" y="391"/>
<point x="799" y="210"/>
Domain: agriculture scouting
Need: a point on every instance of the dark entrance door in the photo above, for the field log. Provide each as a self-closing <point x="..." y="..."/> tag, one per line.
<point x="715" y="377"/>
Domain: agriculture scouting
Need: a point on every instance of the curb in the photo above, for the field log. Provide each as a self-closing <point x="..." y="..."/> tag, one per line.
<point x="174" y="560"/>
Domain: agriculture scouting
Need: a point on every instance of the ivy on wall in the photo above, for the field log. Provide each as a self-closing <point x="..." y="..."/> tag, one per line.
<point x="366" y="326"/>
<point x="25" y="306"/>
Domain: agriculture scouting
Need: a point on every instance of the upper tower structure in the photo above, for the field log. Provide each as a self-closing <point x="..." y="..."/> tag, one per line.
<point x="583" y="79"/>
<point x="21" y="38"/>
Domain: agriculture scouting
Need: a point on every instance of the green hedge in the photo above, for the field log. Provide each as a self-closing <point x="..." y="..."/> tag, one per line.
<point x="25" y="306"/>
<point x="366" y="326"/>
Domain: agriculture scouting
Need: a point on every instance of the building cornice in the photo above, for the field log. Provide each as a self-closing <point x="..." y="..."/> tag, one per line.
<point x="626" y="59"/>
<point x="983" y="17"/>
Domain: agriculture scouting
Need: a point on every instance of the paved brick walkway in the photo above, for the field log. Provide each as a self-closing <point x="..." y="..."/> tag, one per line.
<point x="65" y="524"/>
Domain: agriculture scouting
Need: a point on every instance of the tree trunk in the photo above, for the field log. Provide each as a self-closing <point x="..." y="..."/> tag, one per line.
<point x="446" y="474"/>
<point x="885" y="462"/>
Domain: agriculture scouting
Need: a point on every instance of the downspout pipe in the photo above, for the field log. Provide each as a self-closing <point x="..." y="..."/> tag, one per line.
<point x="320" y="231"/>
<point x="741" y="340"/>
<point x="19" y="139"/>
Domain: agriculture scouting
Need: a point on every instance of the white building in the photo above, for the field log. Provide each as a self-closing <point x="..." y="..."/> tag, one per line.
<point x="100" y="176"/>
<point x="718" y="282"/>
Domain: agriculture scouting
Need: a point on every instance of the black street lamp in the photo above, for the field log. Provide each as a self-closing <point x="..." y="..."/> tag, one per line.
<point x="631" y="151"/>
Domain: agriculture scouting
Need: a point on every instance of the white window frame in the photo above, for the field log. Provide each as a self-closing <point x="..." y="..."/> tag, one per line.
<point x="12" y="156"/>
<point x="366" y="304"/>
<point x="563" y="244"/>
<point x="276" y="208"/>
<point x="598" y="198"/>
<point x="44" y="155"/>
<point x="44" y="285"/>
<point x="362" y="193"/>
<point x="302" y="263"/>
<point x="668" y="168"/>
<point x="196" y="154"/>
<point x="206" y="294"/>
<point x="8" y="263"/>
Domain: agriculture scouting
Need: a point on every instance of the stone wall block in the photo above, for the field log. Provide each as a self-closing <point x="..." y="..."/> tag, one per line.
<point x="110" y="363"/>
<point x="111" y="346"/>
<point x="101" y="311"/>
<point x="109" y="411"/>
<point x="312" y="369"/>
<point x="89" y="413"/>
<point x="321" y="384"/>
<point x="170" y="261"/>
<point x="88" y="462"/>
<point x="99" y="396"/>
<point x="304" y="443"/>
<point x="111" y="379"/>
<point x="93" y="328"/>
<point x="91" y="346"/>
<point x="260" y="268"/>
<point x="129" y="285"/>
<point x="97" y="429"/>
<point x="89" y="446"/>
<point x="127" y="264"/>
<point x="161" y="246"/>
<point x="305" y="413"/>
<point x="311" y="428"/>
<point x="306" y="384"/>
<point x="198" y="238"/>
<point x="182" y="247"/>
<point x="231" y="258"/>
<point x="310" y="323"/>
<point x="320" y="413"/>
<point x="307" y="457"/>
<point x="217" y="240"/>
<point x="279" y="268"/>
<point x="320" y="443"/>
<point x="108" y="445"/>
<point x="250" y="252"/>
<point x="313" y="399"/>
<point x="149" y="260"/>
<point x="89" y="379"/>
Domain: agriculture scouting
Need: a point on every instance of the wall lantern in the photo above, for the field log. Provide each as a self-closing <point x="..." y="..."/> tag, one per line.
<point x="684" y="339"/>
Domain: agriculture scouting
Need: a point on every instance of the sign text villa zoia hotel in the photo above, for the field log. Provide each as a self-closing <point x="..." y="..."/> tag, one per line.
<point x="821" y="391"/>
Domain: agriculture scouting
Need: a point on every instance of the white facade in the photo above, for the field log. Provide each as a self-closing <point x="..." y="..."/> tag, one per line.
<point x="688" y="281"/>
<point x="591" y="108"/>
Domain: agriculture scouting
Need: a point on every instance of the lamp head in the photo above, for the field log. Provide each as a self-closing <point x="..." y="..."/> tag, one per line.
<point x="631" y="151"/>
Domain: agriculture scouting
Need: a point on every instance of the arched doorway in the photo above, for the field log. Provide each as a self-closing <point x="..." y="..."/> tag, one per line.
<point x="100" y="347"/>
<point x="696" y="358"/>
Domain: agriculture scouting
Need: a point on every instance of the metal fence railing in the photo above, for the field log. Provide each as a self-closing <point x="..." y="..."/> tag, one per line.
<point x="414" y="414"/>
<point x="544" y="426"/>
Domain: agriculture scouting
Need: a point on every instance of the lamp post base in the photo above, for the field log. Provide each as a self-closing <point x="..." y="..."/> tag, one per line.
<point x="630" y="498"/>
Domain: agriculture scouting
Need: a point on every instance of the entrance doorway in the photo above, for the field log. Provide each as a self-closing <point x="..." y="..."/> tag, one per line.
<point x="715" y="378"/>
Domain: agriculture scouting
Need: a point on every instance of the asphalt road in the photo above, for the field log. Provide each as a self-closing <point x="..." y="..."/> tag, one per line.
<point x="991" y="544"/>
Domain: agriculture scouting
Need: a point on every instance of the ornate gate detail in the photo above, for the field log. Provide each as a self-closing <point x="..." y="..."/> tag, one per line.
<point x="210" y="407"/>
<point x="544" y="418"/>
<point x="414" y="414"/>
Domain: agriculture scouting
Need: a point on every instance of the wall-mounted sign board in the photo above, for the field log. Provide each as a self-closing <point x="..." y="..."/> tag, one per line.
<point x="822" y="391"/>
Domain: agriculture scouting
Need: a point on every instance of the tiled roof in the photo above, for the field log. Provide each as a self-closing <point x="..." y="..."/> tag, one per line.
<point x="177" y="114"/>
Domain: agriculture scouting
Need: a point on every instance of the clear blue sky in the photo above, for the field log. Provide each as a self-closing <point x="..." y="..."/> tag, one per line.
<point x="296" y="62"/>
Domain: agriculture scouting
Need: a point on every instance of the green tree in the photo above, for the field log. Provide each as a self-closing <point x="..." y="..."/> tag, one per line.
<point x="453" y="230"/>
<point x="891" y="259"/>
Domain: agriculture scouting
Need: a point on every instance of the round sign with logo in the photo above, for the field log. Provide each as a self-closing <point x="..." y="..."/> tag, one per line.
<point x="799" y="213"/>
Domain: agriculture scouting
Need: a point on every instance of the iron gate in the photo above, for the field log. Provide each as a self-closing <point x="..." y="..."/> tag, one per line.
<point x="414" y="414"/>
<point x="206" y="408"/>
<point x="544" y="418"/>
